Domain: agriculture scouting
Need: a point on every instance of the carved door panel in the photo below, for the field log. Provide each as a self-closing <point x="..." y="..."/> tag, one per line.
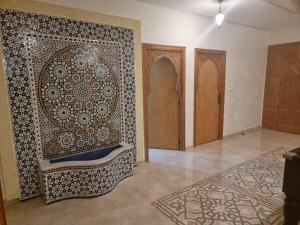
<point x="209" y="95"/>
<point x="282" y="89"/>
<point x="164" y="103"/>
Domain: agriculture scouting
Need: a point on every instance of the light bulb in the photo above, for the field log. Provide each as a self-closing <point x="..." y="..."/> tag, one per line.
<point x="219" y="18"/>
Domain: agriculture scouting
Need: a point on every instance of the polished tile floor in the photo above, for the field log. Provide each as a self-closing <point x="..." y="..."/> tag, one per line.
<point x="248" y="193"/>
<point x="167" y="172"/>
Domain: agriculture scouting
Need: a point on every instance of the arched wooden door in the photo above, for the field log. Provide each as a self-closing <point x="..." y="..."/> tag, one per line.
<point x="209" y="95"/>
<point x="164" y="97"/>
<point x="163" y="107"/>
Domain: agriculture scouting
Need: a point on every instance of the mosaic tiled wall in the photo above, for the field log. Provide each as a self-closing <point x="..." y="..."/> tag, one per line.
<point x="71" y="86"/>
<point x="76" y="90"/>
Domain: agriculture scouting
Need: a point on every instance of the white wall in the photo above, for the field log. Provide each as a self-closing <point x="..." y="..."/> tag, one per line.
<point x="284" y="36"/>
<point x="246" y="54"/>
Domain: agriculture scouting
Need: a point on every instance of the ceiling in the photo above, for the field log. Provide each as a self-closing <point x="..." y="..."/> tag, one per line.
<point x="292" y="5"/>
<point x="262" y="14"/>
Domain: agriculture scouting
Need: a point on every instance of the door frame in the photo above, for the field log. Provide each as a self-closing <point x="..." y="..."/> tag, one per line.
<point x="169" y="52"/>
<point x="221" y="79"/>
<point x="2" y="209"/>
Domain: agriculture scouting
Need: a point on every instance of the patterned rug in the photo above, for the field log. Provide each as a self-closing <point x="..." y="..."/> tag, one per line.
<point x="247" y="194"/>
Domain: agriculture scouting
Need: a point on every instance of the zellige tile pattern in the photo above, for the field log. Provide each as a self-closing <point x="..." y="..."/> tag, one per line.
<point x="249" y="193"/>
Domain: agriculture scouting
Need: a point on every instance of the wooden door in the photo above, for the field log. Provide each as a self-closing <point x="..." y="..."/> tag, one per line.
<point x="163" y="107"/>
<point x="164" y="96"/>
<point x="209" y="95"/>
<point x="2" y="210"/>
<point x="282" y="89"/>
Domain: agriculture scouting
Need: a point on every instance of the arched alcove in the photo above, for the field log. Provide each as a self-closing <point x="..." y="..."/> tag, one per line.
<point x="163" y="108"/>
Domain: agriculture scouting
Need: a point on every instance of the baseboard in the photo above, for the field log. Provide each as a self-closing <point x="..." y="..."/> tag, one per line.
<point x="10" y="202"/>
<point x="243" y="131"/>
<point x="229" y="135"/>
<point x="189" y="147"/>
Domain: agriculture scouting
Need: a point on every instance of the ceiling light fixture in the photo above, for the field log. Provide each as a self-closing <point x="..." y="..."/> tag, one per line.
<point x="220" y="16"/>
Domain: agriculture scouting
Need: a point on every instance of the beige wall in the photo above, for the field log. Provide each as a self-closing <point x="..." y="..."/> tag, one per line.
<point x="246" y="49"/>
<point x="8" y="162"/>
<point x="284" y="36"/>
